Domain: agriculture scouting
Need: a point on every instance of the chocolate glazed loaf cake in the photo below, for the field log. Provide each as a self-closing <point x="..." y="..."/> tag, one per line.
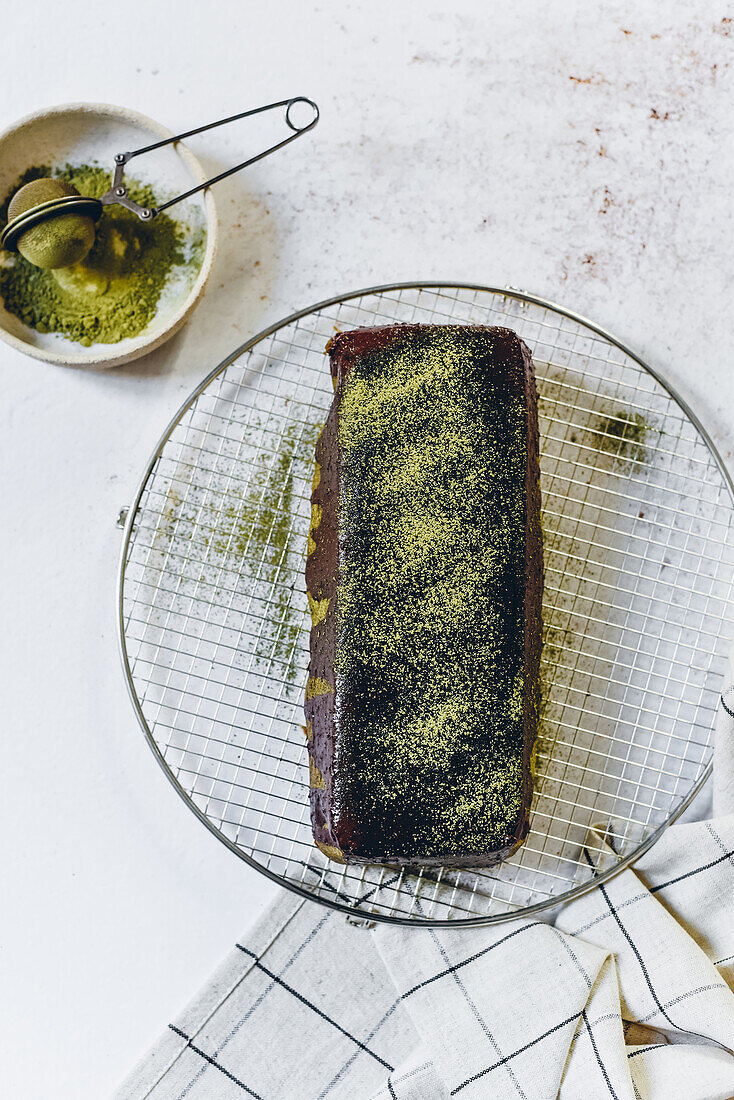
<point x="425" y="576"/>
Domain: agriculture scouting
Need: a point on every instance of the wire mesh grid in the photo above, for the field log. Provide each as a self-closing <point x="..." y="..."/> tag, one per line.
<point x="637" y="512"/>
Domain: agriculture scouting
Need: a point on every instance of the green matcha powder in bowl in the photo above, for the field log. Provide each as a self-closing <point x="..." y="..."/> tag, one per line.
<point x="141" y="280"/>
<point x="113" y="293"/>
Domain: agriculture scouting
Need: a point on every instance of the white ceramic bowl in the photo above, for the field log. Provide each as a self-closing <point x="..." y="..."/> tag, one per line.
<point x="83" y="133"/>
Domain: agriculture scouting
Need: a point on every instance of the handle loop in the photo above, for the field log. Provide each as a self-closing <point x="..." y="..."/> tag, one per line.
<point x="118" y="192"/>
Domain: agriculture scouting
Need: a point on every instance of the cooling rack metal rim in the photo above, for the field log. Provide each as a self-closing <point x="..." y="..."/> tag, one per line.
<point x="354" y="910"/>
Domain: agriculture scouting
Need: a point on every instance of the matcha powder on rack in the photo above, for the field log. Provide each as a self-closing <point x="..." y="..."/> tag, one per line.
<point x="112" y="294"/>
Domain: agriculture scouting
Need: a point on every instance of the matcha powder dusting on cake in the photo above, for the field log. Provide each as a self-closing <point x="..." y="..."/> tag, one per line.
<point x="114" y="293"/>
<point x="432" y="530"/>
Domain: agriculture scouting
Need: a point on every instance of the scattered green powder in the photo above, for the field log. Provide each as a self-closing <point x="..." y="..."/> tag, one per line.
<point x="623" y="435"/>
<point x="433" y="665"/>
<point x="114" y="293"/>
<point x="255" y="534"/>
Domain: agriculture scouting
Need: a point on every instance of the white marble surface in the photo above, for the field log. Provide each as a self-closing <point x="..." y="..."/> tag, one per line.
<point x="582" y="151"/>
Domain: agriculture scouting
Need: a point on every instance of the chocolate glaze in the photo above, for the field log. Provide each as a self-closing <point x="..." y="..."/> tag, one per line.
<point x="340" y="825"/>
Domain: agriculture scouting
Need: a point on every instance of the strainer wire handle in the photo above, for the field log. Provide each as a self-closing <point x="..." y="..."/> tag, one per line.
<point x="118" y="191"/>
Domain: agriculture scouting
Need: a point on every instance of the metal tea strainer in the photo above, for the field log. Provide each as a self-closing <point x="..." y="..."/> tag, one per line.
<point x="117" y="194"/>
<point x="637" y="518"/>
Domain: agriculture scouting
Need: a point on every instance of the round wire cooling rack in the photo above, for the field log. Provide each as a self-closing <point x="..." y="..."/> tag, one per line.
<point x="637" y="514"/>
